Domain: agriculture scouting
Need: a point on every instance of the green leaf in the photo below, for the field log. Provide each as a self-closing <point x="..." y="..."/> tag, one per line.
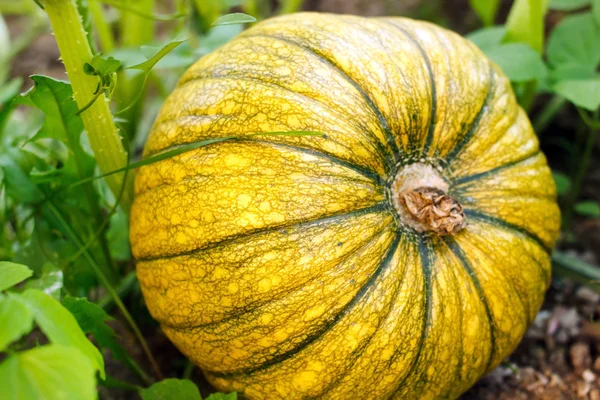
<point x="568" y="5"/>
<point x="147" y="66"/>
<point x="60" y="326"/>
<point x="583" y="93"/>
<point x="172" y="389"/>
<point x="596" y="11"/>
<point x="588" y="208"/>
<point x="11" y="274"/>
<point x="51" y="372"/>
<point x="55" y="99"/>
<point x="525" y="23"/>
<point x="223" y="396"/>
<point x="217" y="37"/>
<point x="485" y="9"/>
<point x="102" y="67"/>
<point x="234" y="18"/>
<point x="17" y="183"/>
<point x="10" y="90"/>
<point x="562" y="182"/>
<point x="118" y="236"/>
<point x="574" y="41"/>
<point x="487" y="38"/>
<point x="16" y="319"/>
<point x="571" y="72"/>
<point x="51" y="281"/>
<point x="84" y="12"/>
<point x="519" y="61"/>
<point x="91" y="319"/>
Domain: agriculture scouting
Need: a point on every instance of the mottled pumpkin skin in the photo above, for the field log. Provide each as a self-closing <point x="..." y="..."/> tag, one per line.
<point x="279" y="266"/>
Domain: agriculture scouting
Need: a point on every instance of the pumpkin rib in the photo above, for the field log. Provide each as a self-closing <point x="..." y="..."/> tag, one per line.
<point x="383" y="265"/>
<point x="426" y="256"/>
<point x="466" y="138"/>
<point x="470" y="178"/>
<point x="258" y="304"/>
<point x="376" y="179"/>
<point x="526" y="306"/>
<point x="391" y="138"/>
<point x="499" y="222"/>
<point x="381" y="206"/>
<point x="358" y="352"/>
<point x="433" y="109"/>
<point x="459" y="253"/>
<point x="379" y="149"/>
<point x="373" y="176"/>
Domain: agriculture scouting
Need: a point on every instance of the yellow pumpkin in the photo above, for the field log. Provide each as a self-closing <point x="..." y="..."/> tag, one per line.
<point x="400" y="255"/>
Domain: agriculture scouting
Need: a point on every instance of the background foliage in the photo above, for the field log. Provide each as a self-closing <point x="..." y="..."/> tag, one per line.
<point x="68" y="153"/>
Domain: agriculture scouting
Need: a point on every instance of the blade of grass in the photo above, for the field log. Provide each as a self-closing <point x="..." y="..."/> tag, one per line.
<point x="189" y="147"/>
<point x="577" y="266"/>
<point x="105" y="36"/>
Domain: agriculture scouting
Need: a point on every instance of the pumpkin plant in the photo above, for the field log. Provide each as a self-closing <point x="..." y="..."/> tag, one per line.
<point x="401" y="254"/>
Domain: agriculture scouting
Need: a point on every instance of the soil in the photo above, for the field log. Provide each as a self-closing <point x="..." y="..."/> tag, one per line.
<point x="559" y="357"/>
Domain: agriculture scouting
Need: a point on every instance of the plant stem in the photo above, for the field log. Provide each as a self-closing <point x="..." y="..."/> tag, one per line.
<point x="98" y="121"/>
<point x="189" y="368"/>
<point x="107" y="285"/>
<point x="123" y="288"/>
<point x="107" y="42"/>
<point x="290" y="6"/>
<point x="544" y="117"/>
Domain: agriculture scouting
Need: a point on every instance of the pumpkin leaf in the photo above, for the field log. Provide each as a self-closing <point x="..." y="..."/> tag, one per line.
<point x="49" y="372"/>
<point x="562" y="182"/>
<point x="567" y="5"/>
<point x="59" y="325"/>
<point x="16" y="319"/>
<point x="519" y="62"/>
<point x="574" y="41"/>
<point x="525" y="23"/>
<point x="172" y="389"/>
<point x="588" y="208"/>
<point x="55" y="99"/>
<point x="91" y="319"/>
<point x="234" y="18"/>
<point x="12" y="273"/>
<point x="487" y="38"/>
<point x="50" y="282"/>
<point x="485" y="10"/>
<point x="583" y="93"/>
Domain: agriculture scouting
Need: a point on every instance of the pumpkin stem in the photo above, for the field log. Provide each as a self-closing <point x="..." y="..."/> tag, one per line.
<point x="419" y="194"/>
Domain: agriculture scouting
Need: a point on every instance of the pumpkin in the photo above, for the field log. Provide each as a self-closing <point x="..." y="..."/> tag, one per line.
<point x="401" y="254"/>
